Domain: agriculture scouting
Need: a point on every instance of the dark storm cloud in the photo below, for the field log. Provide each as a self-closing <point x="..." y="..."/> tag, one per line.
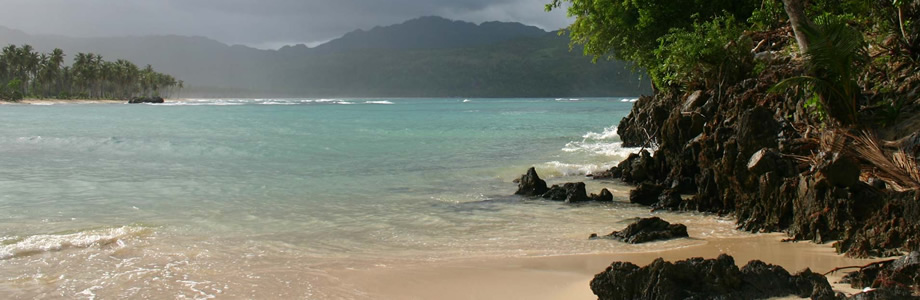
<point x="263" y="23"/>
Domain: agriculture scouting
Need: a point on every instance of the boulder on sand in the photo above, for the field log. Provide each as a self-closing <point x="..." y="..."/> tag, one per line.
<point x="699" y="278"/>
<point x="647" y="230"/>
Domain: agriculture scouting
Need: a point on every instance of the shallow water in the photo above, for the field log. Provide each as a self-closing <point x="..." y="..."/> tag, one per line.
<point x="265" y="197"/>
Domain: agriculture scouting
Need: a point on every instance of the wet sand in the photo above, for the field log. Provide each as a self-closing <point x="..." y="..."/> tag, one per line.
<point x="568" y="277"/>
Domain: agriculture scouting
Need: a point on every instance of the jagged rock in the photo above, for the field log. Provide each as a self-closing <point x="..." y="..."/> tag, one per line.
<point x="756" y="130"/>
<point x="570" y="192"/>
<point x="647" y="230"/>
<point x="139" y="100"/>
<point x="699" y="278"/>
<point x="605" y="196"/>
<point x="637" y="167"/>
<point x="669" y="199"/>
<point x="530" y="184"/>
<point x="840" y="170"/>
<point x="645" y="194"/>
<point x="896" y="277"/>
<point x="694" y="100"/>
<point x="763" y="161"/>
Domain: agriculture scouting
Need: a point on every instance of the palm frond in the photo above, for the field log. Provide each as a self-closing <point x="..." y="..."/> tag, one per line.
<point x="898" y="169"/>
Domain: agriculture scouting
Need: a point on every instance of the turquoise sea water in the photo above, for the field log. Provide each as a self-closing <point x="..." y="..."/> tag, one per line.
<point x="235" y="197"/>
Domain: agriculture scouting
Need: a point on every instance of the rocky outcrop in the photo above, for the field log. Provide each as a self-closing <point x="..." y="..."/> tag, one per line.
<point x="645" y="193"/>
<point x="605" y="196"/>
<point x="698" y="278"/>
<point x="744" y="151"/>
<point x="530" y="184"/>
<point x="895" y="279"/>
<point x="647" y="230"/>
<point x="140" y="100"/>
<point x="570" y="192"/>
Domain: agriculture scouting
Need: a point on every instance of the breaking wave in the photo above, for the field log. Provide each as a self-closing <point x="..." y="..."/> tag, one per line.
<point x="36" y="244"/>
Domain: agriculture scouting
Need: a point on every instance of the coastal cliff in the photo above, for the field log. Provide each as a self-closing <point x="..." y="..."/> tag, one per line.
<point x="758" y="155"/>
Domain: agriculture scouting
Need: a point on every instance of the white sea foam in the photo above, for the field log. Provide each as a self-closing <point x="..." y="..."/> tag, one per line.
<point x="57" y="242"/>
<point x="606" y="143"/>
<point x="378" y="102"/>
<point x="608" y="133"/>
<point x="467" y="101"/>
<point x="567" y="169"/>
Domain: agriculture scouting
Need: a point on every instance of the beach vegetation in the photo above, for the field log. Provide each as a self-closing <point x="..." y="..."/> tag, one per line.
<point x="835" y="56"/>
<point x="25" y="72"/>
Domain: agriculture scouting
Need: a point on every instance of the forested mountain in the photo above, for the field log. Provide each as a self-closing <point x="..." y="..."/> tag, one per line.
<point x="429" y="56"/>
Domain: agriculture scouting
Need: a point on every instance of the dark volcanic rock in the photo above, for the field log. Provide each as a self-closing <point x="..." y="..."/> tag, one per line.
<point x="900" y="277"/>
<point x="530" y="184"/>
<point x="840" y="170"/>
<point x="645" y="193"/>
<point x="146" y="100"/>
<point x="605" y="196"/>
<point x="698" y="278"/>
<point x="570" y="192"/>
<point x="647" y="230"/>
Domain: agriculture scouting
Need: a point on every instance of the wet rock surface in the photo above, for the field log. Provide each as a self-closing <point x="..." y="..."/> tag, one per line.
<point x="699" y="278"/>
<point x="569" y="192"/>
<point x="530" y="184"/>
<point x="647" y="230"/>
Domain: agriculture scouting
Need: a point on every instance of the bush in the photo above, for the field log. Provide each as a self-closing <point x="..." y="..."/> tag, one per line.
<point x="706" y="55"/>
<point x="12" y="91"/>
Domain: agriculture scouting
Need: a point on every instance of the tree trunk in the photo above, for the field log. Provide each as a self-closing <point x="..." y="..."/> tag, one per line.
<point x="795" y="9"/>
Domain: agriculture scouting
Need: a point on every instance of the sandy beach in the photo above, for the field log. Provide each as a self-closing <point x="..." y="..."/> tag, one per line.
<point x="568" y="277"/>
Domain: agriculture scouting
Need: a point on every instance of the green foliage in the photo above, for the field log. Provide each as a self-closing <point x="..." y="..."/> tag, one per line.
<point x="707" y="54"/>
<point x="25" y="72"/>
<point x="770" y="15"/>
<point x="11" y="92"/>
<point x="631" y="29"/>
<point x="835" y="56"/>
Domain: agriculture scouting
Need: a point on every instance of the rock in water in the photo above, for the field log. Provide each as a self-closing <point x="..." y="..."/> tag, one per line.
<point x="570" y="192"/>
<point x="698" y="278"/>
<point x="530" y="184"/>
<point x="605" y="196"/>
<point x="146" y="100"/>
<point x="647" y="230"/>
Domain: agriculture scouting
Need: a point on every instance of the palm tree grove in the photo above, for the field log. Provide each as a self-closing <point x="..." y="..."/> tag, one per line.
<point x="26" y="73"/>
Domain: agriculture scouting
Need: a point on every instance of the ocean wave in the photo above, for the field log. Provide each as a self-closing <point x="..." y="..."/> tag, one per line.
<point x="568" y="169"/>
<point x="605" y="143"/>
<point x="568" y="99"/>
<point x="629" y="100"/>
<point x="277" y="103"/>
<point x="608" y="133"/>
<point x="378" y="102"/>
<point x="43" y="243"/>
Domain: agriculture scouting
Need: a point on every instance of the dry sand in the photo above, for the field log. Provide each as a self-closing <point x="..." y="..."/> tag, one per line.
<point x="567" y="277"/>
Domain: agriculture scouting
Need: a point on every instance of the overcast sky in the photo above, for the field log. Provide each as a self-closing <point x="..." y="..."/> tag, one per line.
<point x="257" y="23"/>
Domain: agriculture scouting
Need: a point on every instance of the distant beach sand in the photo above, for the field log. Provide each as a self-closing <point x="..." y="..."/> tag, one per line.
<point x="568" y="277"/>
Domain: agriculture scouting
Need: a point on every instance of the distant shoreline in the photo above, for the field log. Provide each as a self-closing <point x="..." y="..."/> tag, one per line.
<point x="71" y="101"/>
